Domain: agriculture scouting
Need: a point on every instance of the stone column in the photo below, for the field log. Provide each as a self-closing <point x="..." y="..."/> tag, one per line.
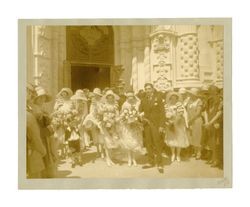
<point x="217" y="53"/>
<point x="188" y="74"/>
<point x="134" y="75"/>
<point x="204" y="35"/>
<point x="125" y="53"/>
<point x="147" y="70"/>
<point x="162" y="56"/>
<point x="42" y="56"/>
<point x="47" y="51"/>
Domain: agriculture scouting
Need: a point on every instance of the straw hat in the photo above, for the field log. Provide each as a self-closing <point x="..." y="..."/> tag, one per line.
<point x="194" y="91"/>
<point x="79" y="95"/>
<point x="97" y="91"/>
<point x="67" y="90"/>
<point x="111" y="93"/>
<point x="40" y="91"/>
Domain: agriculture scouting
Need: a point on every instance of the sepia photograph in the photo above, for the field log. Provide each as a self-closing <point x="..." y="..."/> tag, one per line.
<point x="125" y="103"/>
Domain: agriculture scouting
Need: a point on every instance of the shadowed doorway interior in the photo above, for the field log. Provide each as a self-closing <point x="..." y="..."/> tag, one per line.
<point x="89" y="77"/>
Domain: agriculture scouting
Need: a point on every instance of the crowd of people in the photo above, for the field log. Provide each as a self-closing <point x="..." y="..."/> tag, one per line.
<point x="174" y="125"/>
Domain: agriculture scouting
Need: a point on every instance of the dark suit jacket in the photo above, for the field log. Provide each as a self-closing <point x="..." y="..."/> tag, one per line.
<point x="35" y="145"/>
<point x="153" y="109"/>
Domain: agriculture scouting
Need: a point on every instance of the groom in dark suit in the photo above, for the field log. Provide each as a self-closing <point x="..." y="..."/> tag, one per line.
<point x="154" y="116"/>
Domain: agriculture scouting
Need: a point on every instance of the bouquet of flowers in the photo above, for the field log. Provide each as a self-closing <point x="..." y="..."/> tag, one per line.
<point x="108" y="119"/>
<point x="108" y="116"/>
<point x="130" y="115"/>
<point x="170" y="113"/>
<point x="64" y="118"/>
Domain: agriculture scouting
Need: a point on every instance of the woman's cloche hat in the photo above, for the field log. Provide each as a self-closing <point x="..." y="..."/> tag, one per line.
<point x="194" y="92"/>
<point x="79" y="95"/>
<point x="97" y="91"/>
<point x="67" y="90"/>
<point x="40" y="91"/>
<point x="111" y="93"/>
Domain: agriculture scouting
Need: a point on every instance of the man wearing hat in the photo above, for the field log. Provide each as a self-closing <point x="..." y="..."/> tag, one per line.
<point x="35" y="148"/>
<point x="46" y="130"/>
<point x="152" y="106"/>
<point x="215" y="126"/>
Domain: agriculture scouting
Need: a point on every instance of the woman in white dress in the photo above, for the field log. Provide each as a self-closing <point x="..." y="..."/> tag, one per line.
<point x="62" y="112"/>
<point x="131" y="127"/>
<point x="93" y="120"/>
<point x="110" y="115"/>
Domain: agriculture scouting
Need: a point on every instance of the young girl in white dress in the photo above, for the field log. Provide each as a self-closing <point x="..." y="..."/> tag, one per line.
<point x="176" y="121"/>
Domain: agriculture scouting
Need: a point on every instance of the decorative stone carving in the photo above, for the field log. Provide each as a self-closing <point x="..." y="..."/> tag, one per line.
<point x="44" y="31"/>
<point x="44" y="47"/>
<point x="189" y="56"/>
<point x="90" y="44"/>
<point x="219" y="51"/>
<point x="163" y="76"/>
<point x="163" y="48"/>
<point x="161" y="43"/>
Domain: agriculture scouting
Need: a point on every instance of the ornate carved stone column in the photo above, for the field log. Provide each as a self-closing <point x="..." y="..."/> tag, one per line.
<point x="217" y="53"/>
<point x="47" y="55"/>
<point x="42" y="56"/>
<point x="187" y="74"/>
<point x="163" y="40"/>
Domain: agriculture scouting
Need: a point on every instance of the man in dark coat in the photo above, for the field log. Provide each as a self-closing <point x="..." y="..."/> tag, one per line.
<point x="154" y="116"/>
<point x="35" y="148"/>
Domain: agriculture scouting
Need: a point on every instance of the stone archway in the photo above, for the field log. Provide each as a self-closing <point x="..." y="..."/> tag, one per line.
<point x="90" y="48"/>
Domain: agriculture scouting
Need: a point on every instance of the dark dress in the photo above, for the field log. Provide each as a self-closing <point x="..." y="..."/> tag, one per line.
<point x="44" y="121"/>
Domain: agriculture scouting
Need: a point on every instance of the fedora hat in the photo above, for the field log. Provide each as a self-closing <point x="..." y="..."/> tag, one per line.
<point x="67" y="90"/>
<point x="97" y="91"/>
<point x="79" y="95"/>
<point x="40" y="91"/>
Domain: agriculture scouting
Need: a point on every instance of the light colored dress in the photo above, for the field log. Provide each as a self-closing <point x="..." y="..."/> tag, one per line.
<point x="62" y="110"/>
<point x="93" y="122"/>
<point x="110" y="114"/>
<point x="176" y="133"/>
<point x="194" y="114"/>
<point x="131" y="132"/>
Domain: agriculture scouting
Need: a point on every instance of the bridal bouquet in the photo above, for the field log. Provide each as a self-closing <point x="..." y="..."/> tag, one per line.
<point x="130" y="115"/>
<point x="64" y="118"/>
<point x="109" y="115"/>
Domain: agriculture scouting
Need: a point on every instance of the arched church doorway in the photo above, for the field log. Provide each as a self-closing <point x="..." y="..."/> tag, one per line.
<point x="90" y="57"/>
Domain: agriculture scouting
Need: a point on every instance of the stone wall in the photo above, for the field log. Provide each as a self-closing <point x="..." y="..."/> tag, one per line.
<point x="46" y="51"/>
<point x="169" y="56"/>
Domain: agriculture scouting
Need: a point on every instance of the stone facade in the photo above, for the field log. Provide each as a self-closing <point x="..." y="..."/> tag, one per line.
<point x="169" y="56"/>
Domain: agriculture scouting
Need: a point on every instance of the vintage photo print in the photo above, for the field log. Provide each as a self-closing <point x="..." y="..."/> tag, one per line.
<point x="125" y="103"/>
